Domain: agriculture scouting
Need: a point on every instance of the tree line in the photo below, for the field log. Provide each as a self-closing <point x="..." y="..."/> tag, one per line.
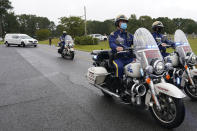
<point x="41" y="26"/>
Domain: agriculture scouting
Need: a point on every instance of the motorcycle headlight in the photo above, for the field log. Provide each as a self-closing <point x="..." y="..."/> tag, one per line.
<point x="168" y="66"/>
<point x="94" y="57"/>
<point x="71" y="44"/>
<point x="192" y="59"/>
<point x="149" y="69"/>
<point x="159" y="67"/>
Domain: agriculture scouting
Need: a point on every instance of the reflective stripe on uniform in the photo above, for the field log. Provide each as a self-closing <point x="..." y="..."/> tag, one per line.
<point x="116" y="68"/>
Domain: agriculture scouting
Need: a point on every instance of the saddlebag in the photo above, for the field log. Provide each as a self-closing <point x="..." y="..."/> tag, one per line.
<point x="97" y="75"/>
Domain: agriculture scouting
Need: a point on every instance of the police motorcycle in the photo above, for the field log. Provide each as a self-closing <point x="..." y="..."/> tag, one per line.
<point x="68" y="51"/>
<point x="184" y="61"/>
<point x="143" y="81"/>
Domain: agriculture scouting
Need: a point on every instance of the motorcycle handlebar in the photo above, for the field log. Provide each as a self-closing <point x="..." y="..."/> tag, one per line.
<point x="125" y="50"/>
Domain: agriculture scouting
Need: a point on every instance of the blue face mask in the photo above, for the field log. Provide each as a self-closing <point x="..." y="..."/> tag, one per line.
<point x="123" y="26"/>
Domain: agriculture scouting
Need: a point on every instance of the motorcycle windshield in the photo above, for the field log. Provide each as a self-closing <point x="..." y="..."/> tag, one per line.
<point x="182" y="42"/>
<point x="68" y="39"/>
<point x="145" y="46"/>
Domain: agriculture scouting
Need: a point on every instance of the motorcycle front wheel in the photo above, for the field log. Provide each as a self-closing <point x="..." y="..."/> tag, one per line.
<point x="190" y="90"/>
<point x="72" y="55"/>
<point x="172" y="111"/>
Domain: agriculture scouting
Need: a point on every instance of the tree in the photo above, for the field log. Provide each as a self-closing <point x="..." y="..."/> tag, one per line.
<point x="146" y="22"/>
<point x="133" y="24"/>
<point x="30" y="23"/>
<point x="100" y="27"/>
<point x="5" y="5"/>
<point x="73" y="25"/>
<point x="43" y="34"/>
<point x="59" y="30"/>
<point x="11" y="24"/>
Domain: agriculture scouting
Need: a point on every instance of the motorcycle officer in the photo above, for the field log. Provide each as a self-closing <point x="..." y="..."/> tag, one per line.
<point x="161" y="39"/>
<point x="62" y="41"/>
<point x="118" y="40"/>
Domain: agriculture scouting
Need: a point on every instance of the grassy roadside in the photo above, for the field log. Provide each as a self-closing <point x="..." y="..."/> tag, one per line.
<point x="193" y="43"/>
<point x="88" y="48"/>
<point x="1" y="42"/>
<point x="105" y="45"/>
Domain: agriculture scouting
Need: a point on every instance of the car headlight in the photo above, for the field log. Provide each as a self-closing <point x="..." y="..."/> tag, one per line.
<point x="158" y="67"/>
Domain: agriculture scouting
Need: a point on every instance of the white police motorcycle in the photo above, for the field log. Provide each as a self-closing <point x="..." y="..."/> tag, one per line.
<point x="143" y="81"/>
<point x="68" y="51"/>
<point x="184" y="61"/>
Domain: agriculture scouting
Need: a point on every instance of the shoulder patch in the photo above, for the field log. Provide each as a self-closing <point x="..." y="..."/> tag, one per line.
<point x="112" y="33"/>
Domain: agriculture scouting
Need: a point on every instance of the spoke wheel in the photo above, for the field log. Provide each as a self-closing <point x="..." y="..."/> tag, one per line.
<point x="172" y="111"/>
<point x="190" y="90"/>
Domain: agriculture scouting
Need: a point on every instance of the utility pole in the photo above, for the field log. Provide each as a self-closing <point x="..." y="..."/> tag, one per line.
<point x="85" y="21"/>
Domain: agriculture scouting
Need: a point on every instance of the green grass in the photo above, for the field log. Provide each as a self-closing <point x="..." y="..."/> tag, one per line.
<point x="101" y="45"/>
<point x="1" y="42"/>
<point x="193" y="43"/>
<point x="88" y="48"/>
<point x="105" y="45"/>
<point x="54" y="42"/>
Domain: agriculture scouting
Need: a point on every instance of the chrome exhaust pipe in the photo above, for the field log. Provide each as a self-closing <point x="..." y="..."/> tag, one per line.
<point x="107" y="91"/>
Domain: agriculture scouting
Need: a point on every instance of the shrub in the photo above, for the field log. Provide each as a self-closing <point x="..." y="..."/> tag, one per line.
<point x="43" y="34"/>
<point x="86" y="40"/>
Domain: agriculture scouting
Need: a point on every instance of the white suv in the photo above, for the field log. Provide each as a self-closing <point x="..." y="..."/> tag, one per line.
<point x="99" y="36"/>
<point x="20" y="40"/>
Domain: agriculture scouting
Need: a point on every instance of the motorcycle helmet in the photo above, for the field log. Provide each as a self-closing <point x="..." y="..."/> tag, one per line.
<point x="120" y="17"/>
<point x="157" y="26"/>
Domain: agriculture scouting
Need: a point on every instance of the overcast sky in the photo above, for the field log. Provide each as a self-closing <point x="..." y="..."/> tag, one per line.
<point x="106" y="9"/>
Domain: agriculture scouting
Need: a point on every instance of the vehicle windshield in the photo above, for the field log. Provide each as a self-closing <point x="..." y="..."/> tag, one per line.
<point x="144" y="43"/>
<point x="181" y="40"/>
<point x="97" y="35"/>
<point x="25" y="37"/>
<point x="68" y="39"/>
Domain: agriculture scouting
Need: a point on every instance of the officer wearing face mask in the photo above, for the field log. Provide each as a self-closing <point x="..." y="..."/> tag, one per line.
<point x="119" y="40"/>
<point x="161" y="40"/>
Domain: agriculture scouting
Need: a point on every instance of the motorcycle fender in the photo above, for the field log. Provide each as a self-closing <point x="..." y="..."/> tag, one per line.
<point x="148" y="98"/>
<point x="72" y="49"/>
<point x="169" y="89"/>
<point x="184" y="77"/>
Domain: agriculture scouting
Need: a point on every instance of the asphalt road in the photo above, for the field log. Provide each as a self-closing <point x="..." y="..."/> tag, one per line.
<point x="40" y="91"/>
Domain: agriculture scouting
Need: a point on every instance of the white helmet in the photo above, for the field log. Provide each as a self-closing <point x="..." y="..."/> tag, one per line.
<point x="157" y="24"/>
<point x="120" y="17"/>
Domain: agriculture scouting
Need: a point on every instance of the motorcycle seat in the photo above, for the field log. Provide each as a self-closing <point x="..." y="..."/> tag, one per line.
<point x="102" y="54"/>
